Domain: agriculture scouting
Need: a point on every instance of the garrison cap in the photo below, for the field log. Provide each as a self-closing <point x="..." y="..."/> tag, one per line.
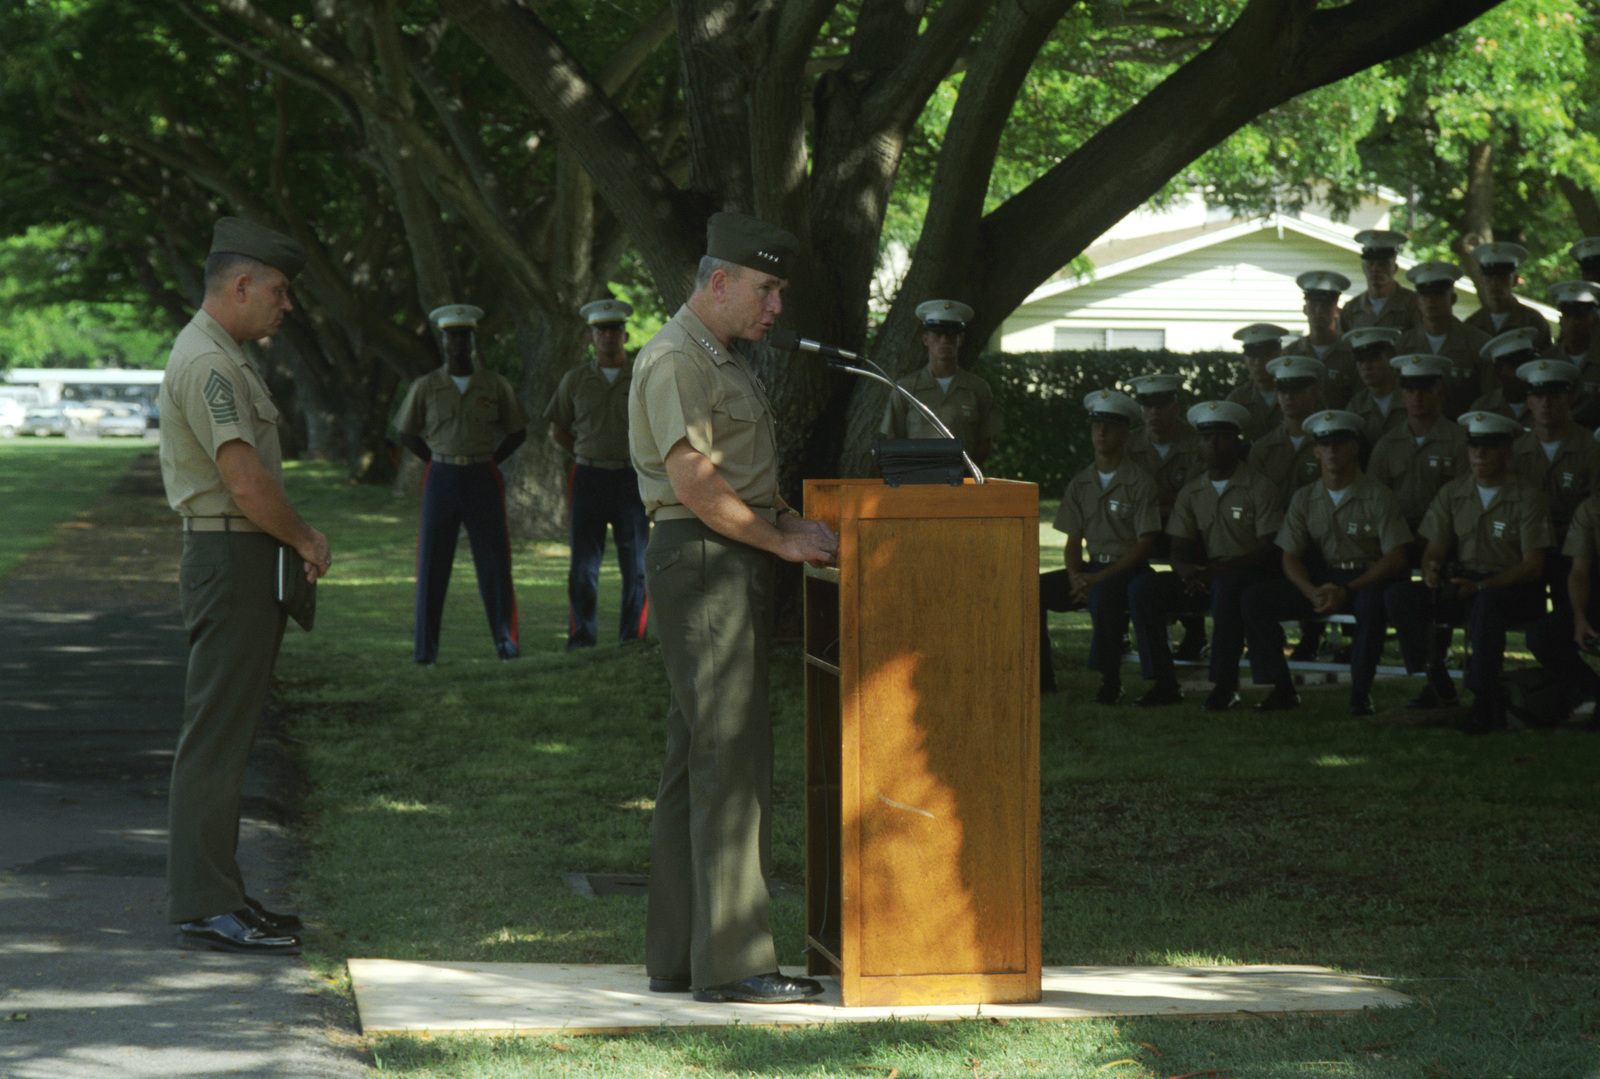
<point x="1586" y="252"/>
<point x="1295" y="372"/>
<point x="605" y="312"/>
<point x="1489" y="428"/>
<point x="1260" y="333"/>
<point x="1371" y="337"/>
<point x="1334" y="424"/>
<point x="1420" y="367"/>
<point x="1379" y="243"/>
<point x="1510" y="345"/>
<point x="1219" y="415"/>
<point x="452" y="315"/>
<point x="945" y="315"/>
<point x="1113" y="406"/>
<point x="1566" y="293"/>
<point x="1322" y="284"/>
<point x="1433" y="277"/>
<point x="1499" y="258"/>
<point x="1150" y="386"/>
<point x="751" y="242"/>
<point x="236" y="236"/>
<point x="1548" y="376"/>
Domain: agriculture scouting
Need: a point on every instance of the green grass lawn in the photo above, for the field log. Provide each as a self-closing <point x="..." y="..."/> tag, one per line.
<point x="444" y="805"/>
<point x="49" y="480"/>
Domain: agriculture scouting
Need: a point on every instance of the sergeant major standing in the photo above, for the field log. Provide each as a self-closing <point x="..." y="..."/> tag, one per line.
<point x="589" y="419"/>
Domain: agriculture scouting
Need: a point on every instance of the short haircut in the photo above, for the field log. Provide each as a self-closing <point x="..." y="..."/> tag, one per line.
<point x="709" y="265"/>
<point x="223" y="266"/>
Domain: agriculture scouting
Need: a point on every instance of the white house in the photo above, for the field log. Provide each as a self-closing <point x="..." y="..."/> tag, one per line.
<point x="1187" y="278"/>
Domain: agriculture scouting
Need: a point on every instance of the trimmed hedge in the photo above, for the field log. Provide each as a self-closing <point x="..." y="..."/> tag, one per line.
<point x="1040" y="395"/>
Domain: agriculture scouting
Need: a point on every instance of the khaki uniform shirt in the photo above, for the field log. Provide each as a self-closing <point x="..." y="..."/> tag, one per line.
<point x="1495" y="401"/>
<point x="967" y="408"/>
<point x="1414" y="472"/>
<point x="1275" y="457"/>
<point x="1493" y="539"/>
<point x="1399" y="311"/>
<point x="1583" y="534"/>
<point x="1231" y="524"/>
<point x="1377" y="424"/>
<point x="210" y="394"/>
<point x="1341" y="380"/>
<point x="1264" y="412"/>
<point x="1586" y="395"/>
<point x="594" y="410"/>
<point x="687" y="386"/>
<point x="1519" y="316"/>
<point x="457" y="424"/>
<point x="1352" y="535"/>
<point x="1566" y="480"/>
<point x="1470" y="376"/>
<point x="1109" y="521"/>
<point x="1173" y="471"/>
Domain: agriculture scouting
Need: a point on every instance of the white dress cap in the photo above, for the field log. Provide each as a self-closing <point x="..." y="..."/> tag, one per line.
<point x="456" y="314"/>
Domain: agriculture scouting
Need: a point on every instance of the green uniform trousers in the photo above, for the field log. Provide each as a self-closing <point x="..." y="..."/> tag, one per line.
<point x="711" y="835"/>
<point x="235" y="624"/>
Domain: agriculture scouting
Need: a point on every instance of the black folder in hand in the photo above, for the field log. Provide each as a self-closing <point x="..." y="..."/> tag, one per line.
<point x="297" y="595"/>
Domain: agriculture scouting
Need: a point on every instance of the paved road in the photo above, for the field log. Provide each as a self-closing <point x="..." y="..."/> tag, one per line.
<point x="91" y="682"/>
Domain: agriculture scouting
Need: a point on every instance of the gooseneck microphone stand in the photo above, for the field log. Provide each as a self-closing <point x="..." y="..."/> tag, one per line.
<point x="790" y="341"/>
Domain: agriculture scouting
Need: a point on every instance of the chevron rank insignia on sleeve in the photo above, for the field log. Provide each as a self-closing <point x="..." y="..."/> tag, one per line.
<point x="220" y="399"/>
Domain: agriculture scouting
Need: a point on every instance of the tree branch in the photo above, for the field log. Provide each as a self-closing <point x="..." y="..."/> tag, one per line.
<point x="661" y="219"/>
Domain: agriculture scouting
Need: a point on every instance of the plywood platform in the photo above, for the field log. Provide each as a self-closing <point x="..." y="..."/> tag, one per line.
<point x="397" y="997"/>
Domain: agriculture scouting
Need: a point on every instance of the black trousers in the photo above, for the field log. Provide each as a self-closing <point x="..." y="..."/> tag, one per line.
<point x="474" y="496"/>
<point x="1155" y="597"/>
<point x="1488" y="616"/>
<point x="1272" y="602"/>
<point x="601" y="497"/>
<point x="1108" y="611"/>
<point x="1551" y="641"/>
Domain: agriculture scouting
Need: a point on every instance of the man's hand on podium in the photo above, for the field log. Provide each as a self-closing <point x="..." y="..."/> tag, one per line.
<point x="806" y="540"/>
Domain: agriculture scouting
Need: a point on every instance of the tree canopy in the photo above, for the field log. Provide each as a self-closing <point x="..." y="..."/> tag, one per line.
<point x="530" y="155"/>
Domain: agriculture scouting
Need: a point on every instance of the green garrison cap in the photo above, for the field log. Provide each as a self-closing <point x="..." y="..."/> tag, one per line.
<point x="749" y="241"/>
<point x="236" y="236"/>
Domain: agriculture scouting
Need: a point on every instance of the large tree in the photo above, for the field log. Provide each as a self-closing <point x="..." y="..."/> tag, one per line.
<point x="821" y="155"/>
<point x="510" y="151"/>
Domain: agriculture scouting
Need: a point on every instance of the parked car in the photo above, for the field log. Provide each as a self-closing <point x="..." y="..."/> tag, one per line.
<point x="122" y="420"/>
<point x="43" y="420"/>
<point x="12" y="413"/>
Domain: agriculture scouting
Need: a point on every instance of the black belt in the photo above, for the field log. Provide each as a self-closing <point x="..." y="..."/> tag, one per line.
<point x="469" y="459"/>
<point x="609" y="466"/>
<point x="224" y="523"/>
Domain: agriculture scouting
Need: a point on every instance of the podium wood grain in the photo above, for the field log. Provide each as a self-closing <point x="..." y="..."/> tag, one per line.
<point x="922" y="714"/>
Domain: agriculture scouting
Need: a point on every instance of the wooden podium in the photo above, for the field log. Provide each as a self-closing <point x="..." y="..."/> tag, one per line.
<point x="922" y="743"/>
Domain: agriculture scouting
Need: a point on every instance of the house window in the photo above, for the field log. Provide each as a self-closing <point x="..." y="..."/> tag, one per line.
<point x="1070" y="338"/>
<point x="1077" y="338"/>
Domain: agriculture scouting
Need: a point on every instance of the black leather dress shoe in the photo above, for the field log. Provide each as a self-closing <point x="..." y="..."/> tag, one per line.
<point x="1191" y="650"/>
<point x="1159" y="695"/>
<point x="774" y="988"/>
<point x="237" y="931"/>
<point x="1487" y="716"/>
<point x="668" y="985"/>
<point x="1440" y="692"/>
<point x="273" y="920"/>
<point x="1220" y="699"/>
<point x="1361" y="705"/>
<point x="1281" y="699"/>
<point x="1109" y="693"/>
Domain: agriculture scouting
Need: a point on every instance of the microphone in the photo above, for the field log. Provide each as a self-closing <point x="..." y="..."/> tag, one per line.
<point x="789" y="341"/>
<point x="840" y="360"/>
